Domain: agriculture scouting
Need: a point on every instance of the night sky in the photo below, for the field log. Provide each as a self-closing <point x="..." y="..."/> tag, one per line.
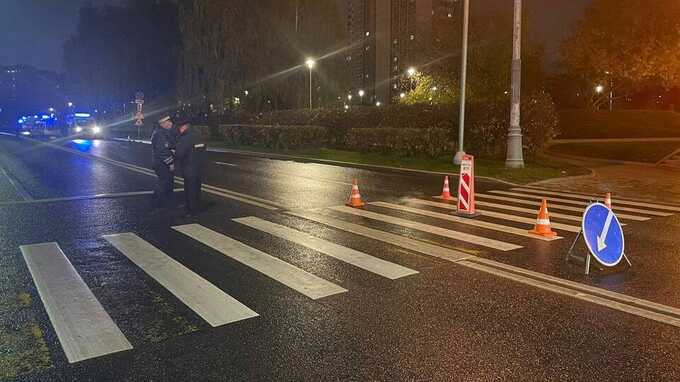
<point x="33" y="31"/>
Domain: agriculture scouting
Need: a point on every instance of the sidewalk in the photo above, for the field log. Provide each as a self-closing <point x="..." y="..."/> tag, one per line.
<point x="623" y="180"/>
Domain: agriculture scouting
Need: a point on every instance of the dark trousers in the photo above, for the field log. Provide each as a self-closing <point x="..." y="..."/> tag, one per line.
<point x="192" y="192"/>
<point x="164" y="194"/>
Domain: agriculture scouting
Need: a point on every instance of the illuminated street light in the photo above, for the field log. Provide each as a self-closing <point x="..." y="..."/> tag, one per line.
<point x="310" y="64"/>
<point x="402" y="95"/>
<point x="361" y="93"/>
<point x="378" y="104"/>
<point x="70" y="104"/>
<point x="411" y="71"/>
<point x="51" y="110"/>
<point x="599" y="89"/>
<point x="349" y="97"/>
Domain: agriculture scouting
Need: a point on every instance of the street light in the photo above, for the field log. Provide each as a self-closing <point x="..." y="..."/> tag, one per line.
<point x="361" y="93"/>
<point x="411" y="71"/>
<point x="458" y="158"/>
<point x="70" y="104"/>
<point x="310" y="64"/>
<point x="599" y="89"/>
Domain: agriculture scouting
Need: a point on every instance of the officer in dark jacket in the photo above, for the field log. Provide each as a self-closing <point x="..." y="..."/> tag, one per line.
<point x="190" y="152"/>
<point x="162" y="144"/>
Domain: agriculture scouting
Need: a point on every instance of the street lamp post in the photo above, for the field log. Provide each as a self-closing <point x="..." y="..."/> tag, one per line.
<point x="310" y="64"/>
<point x="514" y="158"/>
<point x="458" y="158"/>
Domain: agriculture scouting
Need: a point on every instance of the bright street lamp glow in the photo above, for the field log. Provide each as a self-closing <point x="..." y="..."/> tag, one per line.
<point x="70" y="104"/>
<point x="310" y="63"/>
<point x="411" y="71"/>
<point x="402" y="95"/>
<point x="349" y="97"/>
<point x="434" y="88"/>
<point x="361" y="93"/>
<point x="378" y="104"/>
<point x="599" y="88"/>
<point x="51" y="110"/>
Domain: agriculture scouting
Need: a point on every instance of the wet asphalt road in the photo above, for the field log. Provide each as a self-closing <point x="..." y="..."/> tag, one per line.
<point x="448" y="322"/>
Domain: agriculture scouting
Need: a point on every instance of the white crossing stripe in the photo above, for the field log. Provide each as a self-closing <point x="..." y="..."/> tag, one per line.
<point x="461" y="220"/>
<point x="82" y="325"/>
<point x="359" y="259"/>
<point x="580" y="203"/>
<point x="211" y="303"/>
<point x="418" y="246"/>
<point x="304" y="282"/>
<point x="477" y="240"/>
<point x="555" y="206"/>
<point x="498" y="215"/>
<point x="593" y="197"/>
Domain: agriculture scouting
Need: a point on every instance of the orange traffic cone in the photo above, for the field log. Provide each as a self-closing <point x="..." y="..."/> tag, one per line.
<point x="355" y="196"/>
<point x="542" y="227"/>
<point x="446" y="192"/>
<point x="608" y="200"/>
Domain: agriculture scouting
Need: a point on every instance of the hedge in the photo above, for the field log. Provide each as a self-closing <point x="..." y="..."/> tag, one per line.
<point x="410" y="130"/>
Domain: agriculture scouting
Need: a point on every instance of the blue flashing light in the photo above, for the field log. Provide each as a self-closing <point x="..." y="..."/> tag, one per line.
<point x="82" y="144"/>
<point x="45" y="117"/>
<point x="83" y="115"/>
<point x="35" y="116"/>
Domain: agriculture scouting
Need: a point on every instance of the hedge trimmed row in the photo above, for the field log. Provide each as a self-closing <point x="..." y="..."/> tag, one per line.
<point x="411" y="130"/>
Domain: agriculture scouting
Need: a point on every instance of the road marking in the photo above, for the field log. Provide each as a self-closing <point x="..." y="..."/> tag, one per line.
<point x="225" y="164"/>
<point x="602" y="297"/>
<point x="579" y="203"/>
<point x="20" y="190"/>
<point x="82" y="325"/>
<point x="350" y="256"/>
<point x="385" y="237"/>
<point x="467" y="221"/>
<point x="211" y="303"/>
<point x="84" y="197"/>
<point x="266" y="204"/>
<point x="524" y="210"/>
<point x="304" y="282"/>
<point x="594" y="197"/>
<point x="473" y="239"/>
<point x="554" y="206"/>
<point x="497" y="215"/>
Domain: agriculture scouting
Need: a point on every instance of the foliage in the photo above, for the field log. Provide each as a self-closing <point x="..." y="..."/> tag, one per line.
<point x="109" y="60"/>
<point x="424" y="89"/>
<point x="407" y="129"/>
<point x="259" y="47"/>
<point x="431" y="142"/>
<point x="636" y="41"/>
<point x="619" y="124"/>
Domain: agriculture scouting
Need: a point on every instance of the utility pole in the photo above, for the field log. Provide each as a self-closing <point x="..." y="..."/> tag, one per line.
<point x="514" y="158"/>
<point x="463" y="79"/>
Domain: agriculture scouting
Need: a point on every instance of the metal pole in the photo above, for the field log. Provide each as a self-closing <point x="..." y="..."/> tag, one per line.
<point x="514" y="158"/>
<point x="310" y="88"/>
<point x="611" y="93"/>
<point x="458" y="158"/>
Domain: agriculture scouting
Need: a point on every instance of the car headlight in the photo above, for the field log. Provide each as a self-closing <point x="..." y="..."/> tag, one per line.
<point x="96" y="130"/>
<point x="78" y="129"/>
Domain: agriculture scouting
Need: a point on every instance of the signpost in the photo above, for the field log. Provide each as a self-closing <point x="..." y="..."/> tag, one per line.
<point x="603" y="235"/>
<point x="139" y="115"/>
<point x="466" y="187"/>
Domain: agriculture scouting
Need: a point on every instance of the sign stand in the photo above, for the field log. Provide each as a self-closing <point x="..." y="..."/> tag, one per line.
<point x="466" y="188"/>
<point x="600" y="246"/>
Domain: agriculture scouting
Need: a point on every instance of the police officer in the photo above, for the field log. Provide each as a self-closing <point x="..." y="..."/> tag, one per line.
<point x="189" y="153"/>
<point x="162" y="144"/>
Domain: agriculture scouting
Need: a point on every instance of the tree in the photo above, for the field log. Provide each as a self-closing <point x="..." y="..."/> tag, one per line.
<point x="118" y="50"/>
<point x="633" y="40"/>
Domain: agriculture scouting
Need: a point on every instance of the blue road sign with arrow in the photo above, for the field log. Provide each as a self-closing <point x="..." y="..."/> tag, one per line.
<point x="603" y="234"/>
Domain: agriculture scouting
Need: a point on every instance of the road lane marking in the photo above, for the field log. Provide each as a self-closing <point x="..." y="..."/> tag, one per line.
<point x="461" y="236"/>
<point x="497" y="215"/>
<point x="594" y="197"/>
<point x="82" y="325"/>
<point x="523" y="210"/>
<point x="84" y="197"/>
<point x="205" y="299"/>
<point x="554" y="206"/>
<point x="302" y="281"/>
<point x="385" y="237"/>
<point x="225" y="164"/>
<point x="580" y="291"/>
<point x="466" y="221"/>
<point x="270" y="205"/>
<point x="18" y="188"/>
<point x="580" y="203"/>
<point x="361" y="260"/>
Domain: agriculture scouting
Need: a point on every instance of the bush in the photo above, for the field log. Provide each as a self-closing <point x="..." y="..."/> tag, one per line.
<point x="412" y="142"/>
<point x="408" y="129"/>
<point x="273" y="137"/>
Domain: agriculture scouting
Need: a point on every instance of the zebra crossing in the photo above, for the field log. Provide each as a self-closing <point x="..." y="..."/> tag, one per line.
<point x="85" y="330"/>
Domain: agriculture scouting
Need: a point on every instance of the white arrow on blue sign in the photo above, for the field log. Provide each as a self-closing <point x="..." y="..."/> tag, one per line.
<point x="603" y="234"/>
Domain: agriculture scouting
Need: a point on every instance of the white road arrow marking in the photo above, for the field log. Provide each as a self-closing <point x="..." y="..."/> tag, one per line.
<point x="601" y="245"/>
